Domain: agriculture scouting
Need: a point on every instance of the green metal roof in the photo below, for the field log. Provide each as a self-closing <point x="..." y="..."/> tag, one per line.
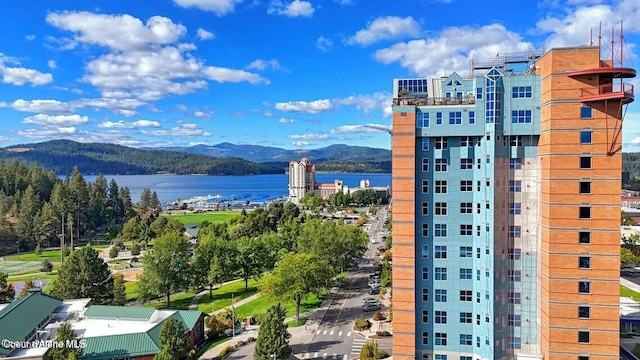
<point x="23" y="316"/>
<point x="119" y="346"/>
<point x="106" y="312"/>
<point x="191" y="229"/>
<point x="189" y="318"/>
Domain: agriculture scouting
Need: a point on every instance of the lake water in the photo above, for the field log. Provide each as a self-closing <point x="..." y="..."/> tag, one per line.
<point x="173" y="187"/>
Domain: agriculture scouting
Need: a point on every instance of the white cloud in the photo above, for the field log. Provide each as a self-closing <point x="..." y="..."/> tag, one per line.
<point x="286" y="121"/>
<point x="268" y="113"/>
<point x="52" y="64"/>
<point x="367" y="103"/>
<point x="182" y="107"/>
<point x="202" y="115"/>
<point x="48" y="132"/>
<point x="30" y="37"/>
<point x="345" y="2"/>
<point x="39" y="106"/>
<point x="184" y="130"/>
<point x="366" y="128"/>
<point x="293" y="9"/>
<point x="386" y="28"/>
<point x="317" y="137"/>
<point x="56" y="120"/>
<point x="126" y="107"/>
<point x="221" y="75"/>
<point x="260" y="64"/>
<point x="310" y="107"/>
<point x="205" y="35"/>
<point x="19" y="75"/>
<point x="300" y="143"/>
<point x="451" y="49"/>
<point x="324" y="44"/>
<point x="129" y="125"/>
<point x="218" y="7"/>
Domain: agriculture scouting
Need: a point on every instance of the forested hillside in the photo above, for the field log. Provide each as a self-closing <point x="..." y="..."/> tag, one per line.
<point x="62" y="155"/>
<point x="631" y="171"/>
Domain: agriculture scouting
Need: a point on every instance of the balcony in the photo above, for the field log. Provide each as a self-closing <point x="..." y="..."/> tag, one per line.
<point x="616" y="91"/>
<point x="605" y="70"/>
<point x="424" y="101"/>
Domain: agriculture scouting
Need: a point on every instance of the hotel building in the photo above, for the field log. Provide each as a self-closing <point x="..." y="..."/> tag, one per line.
<point x="506" y="209"/>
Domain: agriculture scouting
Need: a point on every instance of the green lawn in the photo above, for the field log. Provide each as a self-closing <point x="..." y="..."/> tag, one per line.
<point x="222" y="295"/>
<point x="625" y="292"/>
<point x="178" y="302"/>
<point x="51" y="255"/>
<point x="131" y="290"/>
<point x="261" y="304"/>
<point x="211" y="345"/>
<point x="213" y="217"/>
<point x="39" y="275"/>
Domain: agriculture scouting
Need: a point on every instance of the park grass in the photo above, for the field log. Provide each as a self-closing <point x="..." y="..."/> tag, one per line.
<point x="296" y="323"/>
<point x="178" y="302"/>
<point x="222" y="295"/>
<point x="261" y="304"/>
<point x="211" y="345"/>
<point x="131" y="290"/>
<point x="39" y="275"/>
<point x="626" y="292"/>
<point x="51" y="255"/>
<point x="214" y="217"/>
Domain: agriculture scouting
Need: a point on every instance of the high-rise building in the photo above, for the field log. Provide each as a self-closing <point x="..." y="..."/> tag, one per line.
<point x="302" y="178"/>
<point x="506" y="209"/>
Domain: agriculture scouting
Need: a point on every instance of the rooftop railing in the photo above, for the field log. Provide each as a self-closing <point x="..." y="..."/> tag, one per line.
<point x="412" y="101"/>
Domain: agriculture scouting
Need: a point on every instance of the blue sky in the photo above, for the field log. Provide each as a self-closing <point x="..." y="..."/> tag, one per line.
<point x="285" y="73"/>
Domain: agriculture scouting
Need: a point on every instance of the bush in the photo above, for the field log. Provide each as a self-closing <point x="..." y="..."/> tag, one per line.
<point x="381" y="354"/>
<point x="240" y="343"/>
<point x="257" y="318"/>
<point x="383" y="333"/>
<point x="226" y="350"/>
<point x="135" y="249"/>
<point x="46" y="266"/>
<point x="378" y="316"/>
<point x="362" y="324"/>
<point x="251" y="339"/>
<point x="113" y="252"/>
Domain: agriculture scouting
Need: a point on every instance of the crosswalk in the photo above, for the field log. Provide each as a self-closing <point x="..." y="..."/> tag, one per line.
<point x="326" y="356"/>
<point x="356" y="345"/>
<point x="332" y="333"/>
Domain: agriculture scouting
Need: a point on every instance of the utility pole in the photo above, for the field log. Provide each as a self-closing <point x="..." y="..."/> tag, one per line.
<point x="62" y="240"/>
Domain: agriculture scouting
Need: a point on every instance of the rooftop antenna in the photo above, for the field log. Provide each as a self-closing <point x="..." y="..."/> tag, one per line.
<point x="621" y="42"/>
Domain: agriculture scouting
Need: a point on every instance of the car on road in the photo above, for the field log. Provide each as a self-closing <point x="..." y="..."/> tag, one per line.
<point x="370" y="307"/>
<point x="373" y="282"/>
<point x="370" y="300"/>
<point x="374" y="291"/>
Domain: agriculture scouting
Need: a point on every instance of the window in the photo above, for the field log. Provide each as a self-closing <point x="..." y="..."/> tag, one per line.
<point x="440" y="317"/>
<point x="466" y="318"/>
<point x="515" y="185"/>
<point x="441" y="339"/>
<point x="441" y="295"/>
<point x="466" y="295"/>
<point x="472" y="117"/>
<point x="585" y="187"/>
<point x="515" y="208"/>
<point x="441" y="208"/>
<point x="425" y="143"/>
<point x="584" y="237"/>
<point x="466" y="141"/>
<point x="440" y="357"/>
<point x="425" y="186"/>
<point x="466" y="208"/>
<point x="425" y="251"/>
<point x="425" y="316"/>
<point x="425" y="164"/>
<point x="515" y="342"/>
<point x="585" y="212"/>
<point x="425" y="273"/>
<point x="515" y="254"/>
<point x="441" y="273"/>
<point x="586" y="112"/>
<point x="583" y="357"/>
<point x="441" y="164"/>
<point x="515" y="140"/>
<point x="455" y="118"/>
<point x="425" y="119"/>
<point x="521" y="92"/>
<point x="438" y="118"/>
<point x="585" y="162"/>
<point x="441" y="143"/>
<point x="466" y="230"/>
<point x="583" y="337"/>
<point x="521" y="116"/>
<point x="466" y="339"/>
<point x="441" y="253"/>
<point x="425" y="230"/>
<point x="466" y="358"/>
<point x="440" y="230"/>
<point x="479" y="93"/>
<point x="425" y="295"/>
<point x="515" y="275"/>
<point x="466" y="274"/>
<point x="466" y="164"/>
<point x="515" y="164"/>
<point x="514" y="320"/>
<point x="584" y="312"/>
<point x="425" y="338"/>
<point x="466" y="185"/>
<point x="441" y="186"/>
<point x="584" y="262"/>
<point x="514" y="297"/>
<point x="466" y="251"/>
<point x="425" y="208"/>
<point x="515" y="231"/>
<point x="585" y="137"/>
<point x="584" y="287"/>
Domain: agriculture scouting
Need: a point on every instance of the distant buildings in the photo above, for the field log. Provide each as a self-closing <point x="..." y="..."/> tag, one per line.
<point x="302" y="180"/>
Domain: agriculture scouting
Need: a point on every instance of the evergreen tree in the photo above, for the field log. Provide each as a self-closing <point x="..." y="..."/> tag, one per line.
<point x="173" y="340"/>
<point x="79" y="200"/>
<point x="27" y="218"/>
<point x="119" y="297"/>
<point x="127" y="206"/>
<point x="7" y="292"/>
<point x="145" y="199"/>
<point x="49" y="225"/>
<point x="114" y="202"/>
<point x="66" y="335"/>
<point x="273" y="338"/>
<point x="154" y="203"/>
<point x="84" y="275"/>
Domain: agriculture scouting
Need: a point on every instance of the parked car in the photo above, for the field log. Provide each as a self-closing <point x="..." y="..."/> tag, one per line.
<point x="370" y="300"/>
<point x="370" y="307"/>
<point x="374" y="291"/>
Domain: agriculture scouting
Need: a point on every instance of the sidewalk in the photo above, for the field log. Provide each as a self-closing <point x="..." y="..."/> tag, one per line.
<point x="251" y="331"/>
<point x="629" y="284"/>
